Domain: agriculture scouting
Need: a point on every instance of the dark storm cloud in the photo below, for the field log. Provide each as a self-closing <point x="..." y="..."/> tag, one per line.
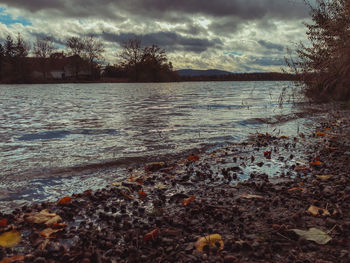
<point x="270" y="45"/>
<point x="244" y="9"/>
<point x="169" y="40"/>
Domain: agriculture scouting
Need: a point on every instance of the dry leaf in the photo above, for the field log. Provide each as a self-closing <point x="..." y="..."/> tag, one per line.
<point x="142" y="194"/>
<point x="10" y="239"/>
<point x="320" y="133"/>
<point x="186" y="201"/>
<point x="284" y="137"/>
<point x="12" y="259"/>
<point x="324" y="177"/>
<point x="314" y="234"/>
<point x="3" y="222"/>
<point x="44" y="217"/>
<point x="154" y="166"/>
<point x="193" y="158"/>
<point x="126" y="195"/>
<point x="213" y="240"/>
<point x="249" y="196"/>
<point x="151" y="235"/>
<point x="267" y="154"/>
<point x="49" y="232"/>
<point x="316" y="163"/>
<point x="65" y="200"/>
<point x="297" y="188"/>
<point x="301" y="168"/>
<point x="317" y="211"/>
<point x="160" y="186"/>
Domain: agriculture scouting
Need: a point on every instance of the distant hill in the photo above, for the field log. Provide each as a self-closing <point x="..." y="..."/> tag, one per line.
<point x="198" y="72"/>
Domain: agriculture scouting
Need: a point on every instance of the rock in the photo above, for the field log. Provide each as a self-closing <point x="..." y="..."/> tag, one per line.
<point x="230" y="259"/>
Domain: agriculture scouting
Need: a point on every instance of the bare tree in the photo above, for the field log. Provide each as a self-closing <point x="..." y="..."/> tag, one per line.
<point x="93" y="51"/>
<point x="43" y="49"/>
<point x="324" y="63"/>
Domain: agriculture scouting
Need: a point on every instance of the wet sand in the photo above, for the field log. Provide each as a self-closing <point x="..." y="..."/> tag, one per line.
<point x="158" y="214"/>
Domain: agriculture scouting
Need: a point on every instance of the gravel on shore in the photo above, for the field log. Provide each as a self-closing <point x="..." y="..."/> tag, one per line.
<point x="270" y="199"/>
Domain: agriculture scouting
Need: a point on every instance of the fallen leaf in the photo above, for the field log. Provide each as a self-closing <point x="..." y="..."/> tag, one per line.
<point x="317" y="211"/>
<point x="65" y="200"/>
<point x="160" y="186"/>
<point x="284" y="137"/>
<point x="324" y="177"/>
<point x="314" y="234"/>
<point x="301" y="135"/>
<point x="186" y="201"/>
<point x="3" y="222"/>
<point x="267" y="154"/>
<point x="151" y="235"/>
<point x="249" y="196"/>
<point x="297" y="188"/>
<point x="142" y="194"/>
<point x="49" y="232"/>
<point x="126" y="195"/>
<point x="59" y="225"/>
<point x="44" y="217"/>
<point x="154" y="166"/>
<point x="320" y="133"/>
<point x="301" y="168"/>
<point x="10" y="239"/>
<point x="316" y="163"/>
<point x="213" y="240"/>
<point x="117" y="183"/>
<point x="12" y="259"/>
<point x="193" y="158"/>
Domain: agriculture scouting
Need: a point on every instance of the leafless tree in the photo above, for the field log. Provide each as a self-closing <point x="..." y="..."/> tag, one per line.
<point x="44" y="47"/>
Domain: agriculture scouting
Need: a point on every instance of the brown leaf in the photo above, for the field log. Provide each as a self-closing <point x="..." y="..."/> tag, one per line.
<point x="10" y="239"/>
<point x="12" y="259"/>
<point x="213" y="240"/>
<point x="44" y="217"/>
<point x="297" y="188"/>
<point x="267" y="154"/>
<point x="49" y="232"/>
<point x="250" y="196"/>
<point x="320" y="133"/>
<point x="65" y="200"/>
<point x="186" y="201"/>
<point x="193" y="158"/>
<point x="3" y="222"/>
<point x="142" y="194"/>
<point x="301" y="168"/>
<point x="126" y="195"/>
<point x="151" y="235"/>
<point x="323" y="177"/>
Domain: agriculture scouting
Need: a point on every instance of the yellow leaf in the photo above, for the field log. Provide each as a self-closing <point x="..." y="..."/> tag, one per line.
<point x="213" y="240"/>
<point x="249" y="196"/>
<point x="317" y="211"/>
<point x="314" y="234"/>
<point x="10" y="239"/>
<point x="324" y="177"/>
<point x="44" y="217"/>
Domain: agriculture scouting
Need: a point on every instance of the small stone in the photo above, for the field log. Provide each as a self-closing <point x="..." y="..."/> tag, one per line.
<point x="230" y="259"/>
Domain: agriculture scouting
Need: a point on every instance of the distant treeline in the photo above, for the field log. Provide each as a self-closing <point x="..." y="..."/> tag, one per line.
<point x="269" y="76"/>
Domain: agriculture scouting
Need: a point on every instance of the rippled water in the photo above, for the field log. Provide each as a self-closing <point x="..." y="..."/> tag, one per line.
<point x="49" y="131"/>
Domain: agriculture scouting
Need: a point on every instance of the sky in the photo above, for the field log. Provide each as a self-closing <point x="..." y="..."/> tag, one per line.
<point x="232" y="35"/>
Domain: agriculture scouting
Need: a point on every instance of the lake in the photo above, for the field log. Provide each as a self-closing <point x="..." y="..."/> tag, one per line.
<point x="59" y="139"/>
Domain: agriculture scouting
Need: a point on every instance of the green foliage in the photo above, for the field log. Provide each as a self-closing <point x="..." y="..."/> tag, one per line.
<point x="324" y="64"/>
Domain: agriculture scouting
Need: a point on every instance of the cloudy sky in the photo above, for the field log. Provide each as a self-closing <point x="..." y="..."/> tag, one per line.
<point x="233" y="35"/>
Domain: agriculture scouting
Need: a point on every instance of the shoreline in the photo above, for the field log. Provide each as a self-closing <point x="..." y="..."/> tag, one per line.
<point x="161" y="210"/>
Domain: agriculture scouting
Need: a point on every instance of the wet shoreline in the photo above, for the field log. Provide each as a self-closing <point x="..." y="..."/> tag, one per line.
<point x="159" y="212"/>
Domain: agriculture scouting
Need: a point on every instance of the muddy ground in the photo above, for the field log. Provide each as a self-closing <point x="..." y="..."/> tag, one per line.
<point x="256" y="196"/>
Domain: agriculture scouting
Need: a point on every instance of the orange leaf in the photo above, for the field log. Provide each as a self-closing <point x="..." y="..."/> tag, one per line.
<point x="151" y="235"/>
<point x="59" y="225"/>
<point x="142" y="194"/>
<point x="193" y="158"/>
<point x="3" y="222"/>
<point x="186" y="201"/>
<point x="49" y="232"/>
<point x="12" y="259"/>
<point x="131" y="179"/>
<point x="65" y="200"/>
<point x="316" y="163"/>
<point x="320" y="133"/>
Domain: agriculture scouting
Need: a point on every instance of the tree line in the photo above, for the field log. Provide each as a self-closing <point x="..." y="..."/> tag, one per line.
<point x="19" y="58"/>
